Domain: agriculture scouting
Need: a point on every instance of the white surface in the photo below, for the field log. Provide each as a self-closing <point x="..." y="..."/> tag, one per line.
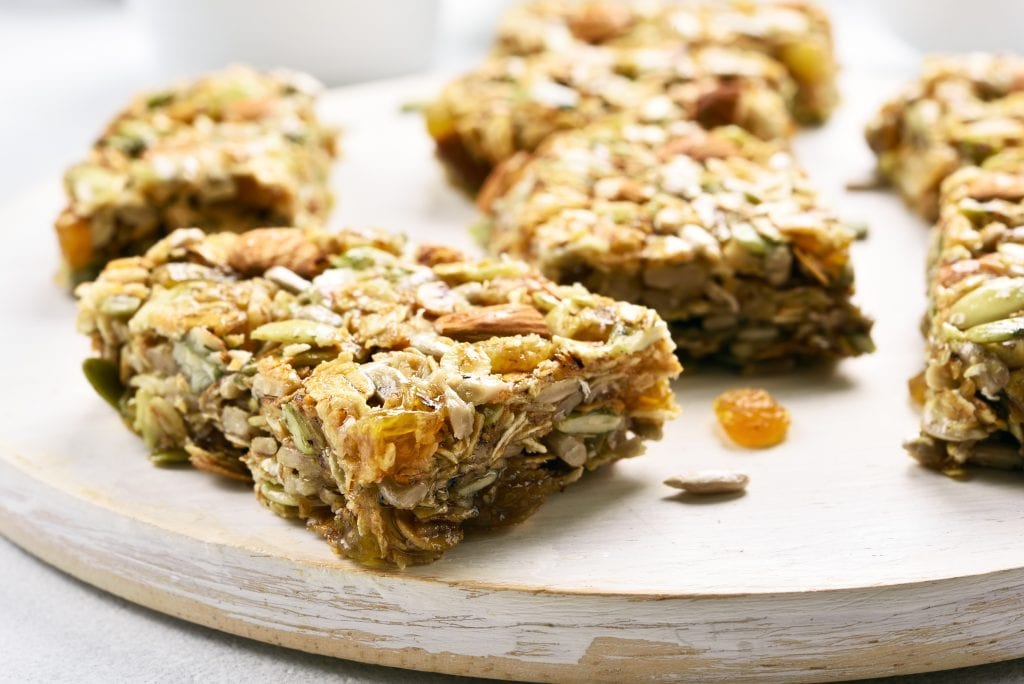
<point x="956" y="25"/>
<point x="338" y="41"/>
<point x="67" y="71"/>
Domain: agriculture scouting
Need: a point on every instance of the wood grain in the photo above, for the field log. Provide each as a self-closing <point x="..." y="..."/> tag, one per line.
<point x="842" y="560"/>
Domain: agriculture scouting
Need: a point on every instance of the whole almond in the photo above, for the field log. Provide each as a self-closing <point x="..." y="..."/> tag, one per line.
<point x="718" y="107"/>
<point x="999" y="186"/>
<point x="485" y="322"/>
<point x="599" y="20"/>
<point x="260" y="249"/>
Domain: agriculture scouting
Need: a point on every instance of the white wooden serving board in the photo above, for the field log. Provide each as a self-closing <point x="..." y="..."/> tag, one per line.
<point x="843" y="560"/>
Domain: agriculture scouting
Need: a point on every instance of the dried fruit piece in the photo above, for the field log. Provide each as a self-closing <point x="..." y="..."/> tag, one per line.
<point x="485" y="322"/>
<point x="752" y="418"/>
<point x="710" y="482"/>
<point x="917" y="386"/>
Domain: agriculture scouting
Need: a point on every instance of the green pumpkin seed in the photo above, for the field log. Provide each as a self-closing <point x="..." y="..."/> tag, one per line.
<point x="298" y="331"/>
<point x="103" y="376"/>
<point x="306" y="436"/>
<point x="120" y="305"/>
<point x="168" y="457"/>
<point x="196" y="365"/>
<point x="993" y="300"/>
<point x="997" y="331"/>
<point x="749" y="239"/>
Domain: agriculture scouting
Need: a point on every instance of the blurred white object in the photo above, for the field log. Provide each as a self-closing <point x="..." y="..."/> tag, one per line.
<point x="472" y="23"/>
<point x="956" y="25"/>
<point x="338" y="41"/>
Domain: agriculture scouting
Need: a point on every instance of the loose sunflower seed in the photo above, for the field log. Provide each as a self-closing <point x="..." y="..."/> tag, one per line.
<point x="710" y="482"/>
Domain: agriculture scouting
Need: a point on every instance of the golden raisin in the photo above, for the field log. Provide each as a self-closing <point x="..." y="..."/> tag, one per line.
<point x="752" y="418"/>
<point x="917" y="386"/>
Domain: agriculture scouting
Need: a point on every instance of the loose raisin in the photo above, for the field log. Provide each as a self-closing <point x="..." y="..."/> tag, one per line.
<point x="752" y="418"/>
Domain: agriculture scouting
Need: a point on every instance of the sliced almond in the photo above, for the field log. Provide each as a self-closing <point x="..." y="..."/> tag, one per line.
<point x="997" y="186"/>
<point x="485" y="322"/>
<point x="258" y="250"/>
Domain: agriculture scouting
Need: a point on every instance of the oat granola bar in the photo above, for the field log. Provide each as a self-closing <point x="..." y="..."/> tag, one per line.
<point x="233" y="150"/>
<point x="718" y="231"/>
<point x="964" y="110"/>
<point x="797" y="34"/>
<point x="173" y="333"/>
<point x="512" y="103"/>
<point x="974" y="379"/>
<point x="394" y="403"/>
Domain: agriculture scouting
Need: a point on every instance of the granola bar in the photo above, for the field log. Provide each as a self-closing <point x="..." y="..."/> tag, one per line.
<point x="392" y="402"/>
<point x="797" y="34"/>
<point x="719" y="231"/>
<point x="974" y="379"/>
<point x="233" y="150"/>
<point x="173" y="331"/>
<point x="512" y="103"/>
<point x="964" y="110"/>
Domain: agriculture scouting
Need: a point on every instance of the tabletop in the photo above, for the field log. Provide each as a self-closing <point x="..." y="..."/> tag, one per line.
<point x="65" y="65"/>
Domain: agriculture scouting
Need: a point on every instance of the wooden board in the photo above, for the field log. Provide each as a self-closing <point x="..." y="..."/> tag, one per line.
<point x="843" y="560"/>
